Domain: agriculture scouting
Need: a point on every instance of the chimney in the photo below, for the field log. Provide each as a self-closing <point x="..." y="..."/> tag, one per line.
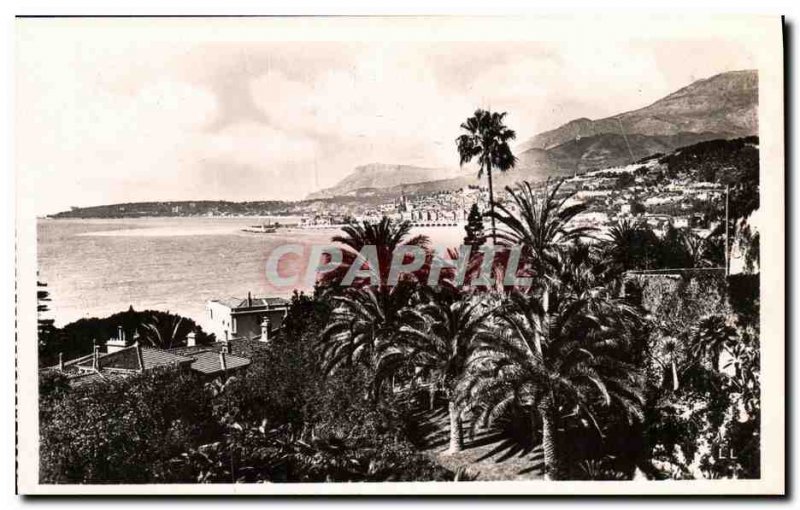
<point x="118" y="343"/>
<point x="191" y="339"/>
<point x="96" y="357"/>
<point x="223" y="364"/>
<point x="265" y="330"/>
<point x="61" y="361"/>
<point x="249" y="300"/>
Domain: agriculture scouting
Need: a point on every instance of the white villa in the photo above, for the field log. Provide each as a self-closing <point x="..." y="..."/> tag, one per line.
<point x="251" y="317"/>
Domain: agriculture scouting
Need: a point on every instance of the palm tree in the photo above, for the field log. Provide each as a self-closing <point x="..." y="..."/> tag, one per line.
<point x="487" y="139"/>
<point x="436" y="339"/>
<point x="164" y="331"/>
<point x="542" y="224"/>
<point x="386" y="235"/>
<point x="712" y="336"/>
<point x="702" y="252"/>
<point x="363" y="319"/>
<point x="631" y="245"/>
<point x="558" y="349"/>
<point x="671" y="350"/>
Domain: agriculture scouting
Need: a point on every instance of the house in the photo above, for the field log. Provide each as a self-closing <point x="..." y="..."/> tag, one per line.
<point x="681" y="221"/>
<point x="211" y="360"/>
<point x="246" y="318"/>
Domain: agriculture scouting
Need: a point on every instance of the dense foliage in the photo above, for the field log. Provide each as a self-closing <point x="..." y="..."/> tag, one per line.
<point x="281" y="420"/>
<point x="631" y="354"/>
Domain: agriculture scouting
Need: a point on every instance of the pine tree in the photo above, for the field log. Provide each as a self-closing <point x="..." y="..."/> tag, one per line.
<point x="474" y="228"/>
<point x="46" y="328"/>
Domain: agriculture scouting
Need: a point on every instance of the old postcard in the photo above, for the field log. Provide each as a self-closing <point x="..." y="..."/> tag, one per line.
<point x="400" y="255"/>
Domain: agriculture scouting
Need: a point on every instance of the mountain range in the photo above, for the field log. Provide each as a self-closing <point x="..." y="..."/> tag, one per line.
<point x="723" y="106"/>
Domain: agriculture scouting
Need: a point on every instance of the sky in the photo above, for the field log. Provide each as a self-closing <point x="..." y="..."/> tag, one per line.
<point x="106" y="116"/>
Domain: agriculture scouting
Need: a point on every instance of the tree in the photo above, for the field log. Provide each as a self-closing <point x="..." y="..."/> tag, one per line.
<point x="362" y="320"/>
<point x="542" y="224"/>
<point x="625" y="180"/>
<point x="123" y="430"/>
<point x="46" y="328"/>
<point x="712" y="336"/>
<point x="164" y="331"/>
<point x="671" y="350"/>
<point x="701" y="252"/>
<point x="631" y="245"/>
<point x="386" y="235"/>
<point x="435" y="339"/>
<point x="487" y="139"/>
<point x="560" y="350"/>
<point x="474" y="228"/>
<point x="673" y="250"/>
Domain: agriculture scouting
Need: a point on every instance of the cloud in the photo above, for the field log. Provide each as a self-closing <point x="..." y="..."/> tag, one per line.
<point x="90" y="145"/>
<point x="107" y="115"/>
<point x="257" y="145"/>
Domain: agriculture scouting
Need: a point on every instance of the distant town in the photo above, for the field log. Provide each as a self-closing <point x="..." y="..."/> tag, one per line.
<point x="658" y="190"/>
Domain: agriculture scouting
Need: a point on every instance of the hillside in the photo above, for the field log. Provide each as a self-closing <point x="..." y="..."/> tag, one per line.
<point x="605" y="150"/>
<point x="382" y="175"/>
<point x="724" y="106"/>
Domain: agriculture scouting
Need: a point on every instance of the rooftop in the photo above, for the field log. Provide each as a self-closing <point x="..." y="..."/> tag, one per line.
<point x="236" y="346"/>
<point x="209" y="362"/>
<point x="252" y="302"/>
<point x="127" y="359"/>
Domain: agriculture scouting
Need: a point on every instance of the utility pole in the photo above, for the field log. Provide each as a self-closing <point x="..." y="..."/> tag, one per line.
<point x="727" y="230"/>
<point x="627" y="143"/>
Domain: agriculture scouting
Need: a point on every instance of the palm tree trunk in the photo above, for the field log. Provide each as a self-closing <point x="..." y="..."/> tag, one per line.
<point x="547" y="415"/>
<point x="491" y="202"/>
<point x="432" y="396"/>
<point x="674" y="376"/>
<point x="456" y="429"/>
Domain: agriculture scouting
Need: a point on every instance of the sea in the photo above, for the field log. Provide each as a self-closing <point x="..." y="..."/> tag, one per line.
<point x="97" y="267"/>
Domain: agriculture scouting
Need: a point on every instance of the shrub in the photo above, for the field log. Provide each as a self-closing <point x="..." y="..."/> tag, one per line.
<point x="122" y="431"/>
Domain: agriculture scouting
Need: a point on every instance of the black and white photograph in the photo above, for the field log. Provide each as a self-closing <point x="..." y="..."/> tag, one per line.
<point x="349" y="255"/>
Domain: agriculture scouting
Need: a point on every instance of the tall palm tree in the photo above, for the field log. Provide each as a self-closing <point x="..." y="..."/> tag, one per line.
<point x="386" y="235"/>
<point x="560" y="349"/>
<point x="671" y="350"/>
<point x="487" y="139"/>
<point x="436" y="339"/>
